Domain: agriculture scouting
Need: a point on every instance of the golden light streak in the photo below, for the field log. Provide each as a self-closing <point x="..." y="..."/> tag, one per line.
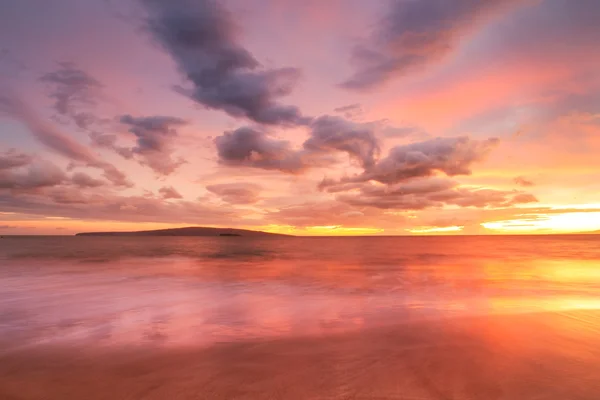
<point x="324" y="230"/>
<point x="436" y="229"/>
<point x="549" y="223"/>
<point x="338" y="230"/>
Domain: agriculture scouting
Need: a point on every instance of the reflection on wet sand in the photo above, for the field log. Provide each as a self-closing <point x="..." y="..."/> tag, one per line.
<point x="550" y="356"/>
<point x="106" y="308"/>
<point x="392" y="318"/>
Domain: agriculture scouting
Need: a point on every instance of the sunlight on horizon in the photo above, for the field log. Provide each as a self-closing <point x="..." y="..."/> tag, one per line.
<point x="553" y="223"/>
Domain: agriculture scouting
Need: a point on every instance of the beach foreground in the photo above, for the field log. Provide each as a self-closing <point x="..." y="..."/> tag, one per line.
<point x="528" y="356"/>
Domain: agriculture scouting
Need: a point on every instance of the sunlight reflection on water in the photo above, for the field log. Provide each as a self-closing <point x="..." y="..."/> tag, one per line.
<point x="201" y="291"/>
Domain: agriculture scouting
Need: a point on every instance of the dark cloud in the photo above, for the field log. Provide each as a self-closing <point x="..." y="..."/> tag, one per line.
<point x="109" y="141"/>
<point x="21" y="171"/>
<point x="337" y="134"/>
<point x="252" y="148"/>
<point x="328" y="134"/>
<point x="155" y="136"/>
<point x="350" y="111"/>
<point x="450" y="156"/>
<point x="522" y="181"/>
<point x="202" y="38"/>
<point x="415" y="34"/>
<point x="169" y="192"/>
<point x="236" y="193"/>
<point x="67" y="195"/>
<point x="423" y="193"/>
<point x="37" y="174"/>
<point x="71" y="202"/>
<point x="72" y="88"/>
<point x="83" y="180"/>
<point x="49" y="136"/>
<point x="408" y="178"/>
<point x="12" y="159"/>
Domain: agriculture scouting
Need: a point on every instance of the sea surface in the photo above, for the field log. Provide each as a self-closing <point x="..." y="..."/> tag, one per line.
<point x="171" y="292"/>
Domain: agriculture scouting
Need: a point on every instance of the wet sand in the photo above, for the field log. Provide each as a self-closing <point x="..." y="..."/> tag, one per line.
<point x="546" y="356"/>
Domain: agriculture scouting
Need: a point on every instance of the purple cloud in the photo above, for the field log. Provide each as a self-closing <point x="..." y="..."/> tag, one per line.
<point x="72" y="88"/>
<point x="155" y="136"/>
<point x="252" y="148"/>
<point x="58" y="142"/>
<point x="236" y="193"/>
<point x="350" y="111"/>
<point x="83" y="180"/>
<point x="169" y="192"/>
<point x="431" y="192"/>
<point x="451" y="156"/>
<point x="37" y="174"/>
<point x="12" y="158"/>
<point x="71" y="202"/>
<point x="337" y="134"/>
<point x="415" y="34"/>
<point x="201" y="37"/>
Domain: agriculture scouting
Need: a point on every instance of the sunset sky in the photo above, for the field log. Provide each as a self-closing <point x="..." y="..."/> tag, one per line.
<point x="311" y="117"/>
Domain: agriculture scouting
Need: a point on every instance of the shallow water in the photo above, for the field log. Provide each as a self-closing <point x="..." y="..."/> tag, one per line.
<point x="195" y="291"/>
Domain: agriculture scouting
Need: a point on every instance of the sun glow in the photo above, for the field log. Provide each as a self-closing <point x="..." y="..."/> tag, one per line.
<point x="325" y="230"/>
<point x="338" y="230"/>
<point x="436" y="229"/>
<point x="549" y="223"/>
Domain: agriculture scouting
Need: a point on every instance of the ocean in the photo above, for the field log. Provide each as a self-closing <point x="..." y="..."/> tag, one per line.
<point x="165" y="294"/>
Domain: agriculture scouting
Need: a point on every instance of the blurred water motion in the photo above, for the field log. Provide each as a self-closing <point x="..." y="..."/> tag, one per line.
<point x="187" y="291"/>
<point x="300" y="318"/>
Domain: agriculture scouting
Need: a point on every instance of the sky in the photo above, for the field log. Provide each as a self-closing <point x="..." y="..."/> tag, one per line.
<point x="339" y="117"/>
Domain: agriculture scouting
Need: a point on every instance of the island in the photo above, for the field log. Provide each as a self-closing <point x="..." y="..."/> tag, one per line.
<point x="189" y="231"/>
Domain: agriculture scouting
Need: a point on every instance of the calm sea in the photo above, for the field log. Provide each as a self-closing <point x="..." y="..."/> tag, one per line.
<point x="172" y="291"/>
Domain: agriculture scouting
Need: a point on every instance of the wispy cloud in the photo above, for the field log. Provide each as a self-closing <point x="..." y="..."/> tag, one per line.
<point x="416" y="34"/>
<point x="56" y="141"/>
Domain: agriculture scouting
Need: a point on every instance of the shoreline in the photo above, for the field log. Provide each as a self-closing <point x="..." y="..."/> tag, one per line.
<point x="553" y="355"/>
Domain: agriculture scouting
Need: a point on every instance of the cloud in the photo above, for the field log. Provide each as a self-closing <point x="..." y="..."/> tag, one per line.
<point x="409" y="178"/>
<point x="71" y="202"/>
<point x="19" y="171"/>
<point x="328" y="134"/>
<point x="417" y="34"/>
<point x="12" y="158"/>
<point x="252" y="148"/>
<point x="155" y="136"/>
<point x="522" y="181"/>
<point x="37" y="174"/>
<point x="315" y="213"/>
<point x="350" y="111"/>
<point x="236" y="193"/>
<point x="49" y="136"/>
<point x="451" y="156"/>
<point x="72" y="88"/>
<point x="334" y="133"/>
<point x="109" y="141"/>
<point x="168" y="192"/>
<point x="85" y="181"/>
<point x="202" y="38"/>
<point x="432" y="192"/>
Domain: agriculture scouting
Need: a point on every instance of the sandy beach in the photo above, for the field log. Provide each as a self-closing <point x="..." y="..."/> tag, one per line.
<point x="542" y="356"/>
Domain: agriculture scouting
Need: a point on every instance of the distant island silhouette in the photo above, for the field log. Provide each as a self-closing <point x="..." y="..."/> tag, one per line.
<point x="189" y="231"/>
